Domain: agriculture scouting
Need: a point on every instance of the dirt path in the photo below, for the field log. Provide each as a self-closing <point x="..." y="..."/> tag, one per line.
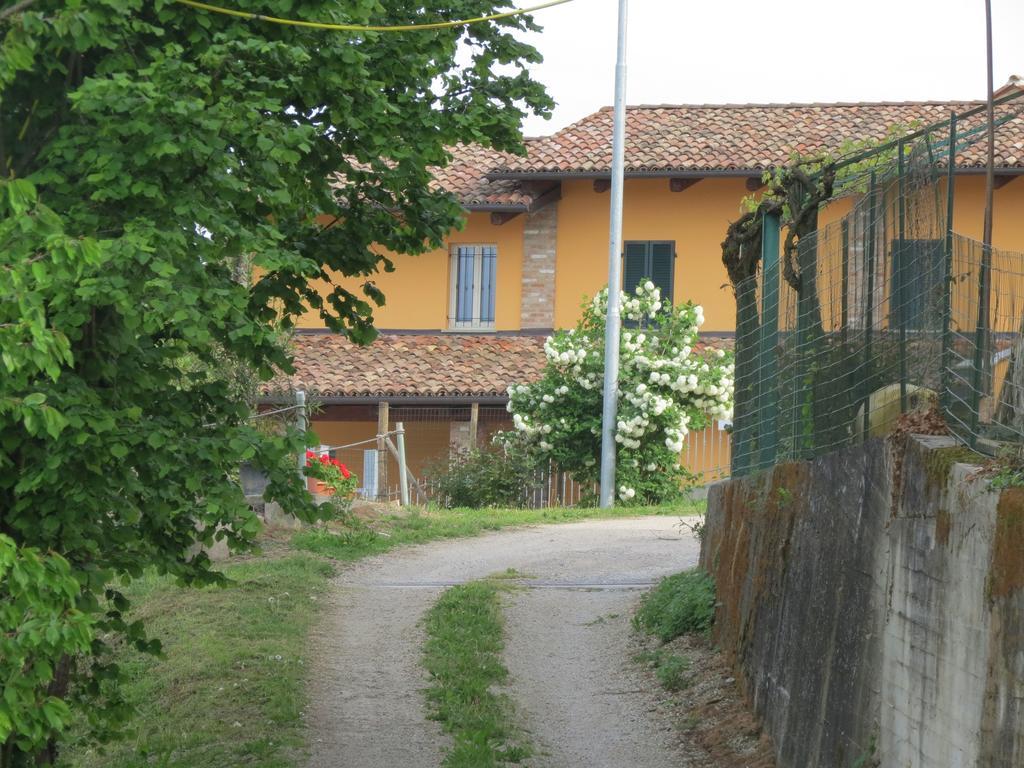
<point x="567" y="636"/>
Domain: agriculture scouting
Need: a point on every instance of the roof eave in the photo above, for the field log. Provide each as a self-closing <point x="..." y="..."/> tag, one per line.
<point x="496" y="208"/>
<point x="734" y="173"/>
<point x="659" y="174"/>
<point x="464" y="399"/>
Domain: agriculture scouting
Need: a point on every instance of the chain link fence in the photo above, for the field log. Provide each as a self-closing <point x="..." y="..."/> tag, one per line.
<point x="882" y="310"/>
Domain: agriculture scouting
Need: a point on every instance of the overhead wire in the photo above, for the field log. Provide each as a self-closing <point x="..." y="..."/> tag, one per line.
<point x="367" y="27"/>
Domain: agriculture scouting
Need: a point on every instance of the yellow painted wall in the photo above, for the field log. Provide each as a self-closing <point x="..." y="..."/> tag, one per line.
<point x="696" y="219"/>
<point x="1007" y="235"/>
<point x="416" y="293"/>
<point x="1007" y="211"/>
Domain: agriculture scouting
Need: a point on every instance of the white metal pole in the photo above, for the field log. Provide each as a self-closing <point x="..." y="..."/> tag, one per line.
<point x="403" y="477"/>
<point x="610" y="409"/>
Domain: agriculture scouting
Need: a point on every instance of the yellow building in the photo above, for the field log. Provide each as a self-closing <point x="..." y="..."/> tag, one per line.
<point x="463" y="322"/>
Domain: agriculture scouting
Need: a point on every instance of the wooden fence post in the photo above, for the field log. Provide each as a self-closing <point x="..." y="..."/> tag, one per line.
<point x="302" y="426"/>
<point x="382" y="454"/>
<point x="474" y="424"/>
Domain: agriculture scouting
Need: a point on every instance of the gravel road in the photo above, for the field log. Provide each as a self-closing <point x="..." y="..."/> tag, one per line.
<point x="567" y="647"/>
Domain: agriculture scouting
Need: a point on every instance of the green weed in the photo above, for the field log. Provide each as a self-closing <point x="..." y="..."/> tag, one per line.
<point x="684" y="602"/>
<point x="670" y="668"/>
<point x="671" y="673"/>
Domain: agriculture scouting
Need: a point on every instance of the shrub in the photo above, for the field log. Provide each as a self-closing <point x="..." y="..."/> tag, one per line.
<point x="667" y="386"/>
<point x="500" y="475"/>
<point x="684" y="602"/>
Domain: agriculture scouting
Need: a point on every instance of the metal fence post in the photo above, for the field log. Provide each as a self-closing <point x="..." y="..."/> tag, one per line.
<point x="403" y="477"/>
<point x="382" y="461"/>
<point x="901" y="273"/>
<point x="746" y="383"/>
<point x="980" y="342"/>
<point x="844" y="302"/>
<point x="869" y="308"/>
<point x="770" y="236"/>
<point x="947" y="277"/>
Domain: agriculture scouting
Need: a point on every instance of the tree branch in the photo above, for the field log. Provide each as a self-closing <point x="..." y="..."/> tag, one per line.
<point x="15" y="8"/>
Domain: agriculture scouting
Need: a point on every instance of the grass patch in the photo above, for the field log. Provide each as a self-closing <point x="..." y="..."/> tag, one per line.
<point x="230" y="688"/>
<point x="671" y="673"/>
<point x="463" y="656"/>
<point x="670" y="668"/>
<point x="683" y="602"/>
<point x="425" y="525"/>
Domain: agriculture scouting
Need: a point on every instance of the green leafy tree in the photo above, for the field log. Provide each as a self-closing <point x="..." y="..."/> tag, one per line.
<point x="147" y="149"/>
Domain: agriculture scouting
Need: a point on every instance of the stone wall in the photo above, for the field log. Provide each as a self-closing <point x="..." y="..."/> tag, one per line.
<point x="872" y="602"/>
<point x="537" y="307"/>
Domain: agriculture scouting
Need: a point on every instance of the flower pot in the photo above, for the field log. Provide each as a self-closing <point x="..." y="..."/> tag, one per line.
<point x="319" y="488"/>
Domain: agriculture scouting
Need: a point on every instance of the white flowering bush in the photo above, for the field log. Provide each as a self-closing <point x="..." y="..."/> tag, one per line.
<point x="667" y="386"/>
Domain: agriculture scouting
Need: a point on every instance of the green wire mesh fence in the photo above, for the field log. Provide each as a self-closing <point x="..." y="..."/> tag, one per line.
<point x="887" y="311"/>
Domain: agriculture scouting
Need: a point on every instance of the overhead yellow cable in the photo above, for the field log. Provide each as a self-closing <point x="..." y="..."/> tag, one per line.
<point x="364" y="27"/>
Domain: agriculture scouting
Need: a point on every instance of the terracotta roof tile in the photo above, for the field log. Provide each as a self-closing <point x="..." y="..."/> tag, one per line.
<point x="419" y="365"/>
<point x="465" y="177"/>
<point x="740" y="137"/>
<point x="703" y="137"/>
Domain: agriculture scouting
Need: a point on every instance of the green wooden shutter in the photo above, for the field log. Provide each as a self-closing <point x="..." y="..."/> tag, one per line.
<point x="661" y="267"/>
<point x="634" y="268"/>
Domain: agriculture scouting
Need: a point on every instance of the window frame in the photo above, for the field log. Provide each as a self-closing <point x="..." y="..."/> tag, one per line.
<point x="923" y="304"/>
<point x="650" y="244"/>
<point x="475" y="323"/>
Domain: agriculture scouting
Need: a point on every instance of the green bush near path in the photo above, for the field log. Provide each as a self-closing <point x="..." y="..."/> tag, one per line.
<point x="681" y="603"/>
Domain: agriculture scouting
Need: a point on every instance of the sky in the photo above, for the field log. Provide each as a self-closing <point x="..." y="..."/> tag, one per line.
<point x="741" y="51"/>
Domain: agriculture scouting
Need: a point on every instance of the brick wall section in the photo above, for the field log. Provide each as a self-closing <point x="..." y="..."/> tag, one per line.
<point x="873" y="625"/>
<point x="537" y="307"/>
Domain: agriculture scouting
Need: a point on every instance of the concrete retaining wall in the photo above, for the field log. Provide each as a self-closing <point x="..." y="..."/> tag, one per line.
<point x="872" y="602"/>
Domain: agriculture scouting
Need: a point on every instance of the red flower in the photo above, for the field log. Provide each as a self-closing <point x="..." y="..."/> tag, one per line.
<point x="344" y="471"/>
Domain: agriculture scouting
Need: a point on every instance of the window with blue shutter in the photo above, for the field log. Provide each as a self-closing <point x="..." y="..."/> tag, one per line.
<point x="652" y="260"/>
<point x="474" y="278"/>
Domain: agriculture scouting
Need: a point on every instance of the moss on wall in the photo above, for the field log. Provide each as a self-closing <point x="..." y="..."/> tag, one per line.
<point x="1006" y="574"/>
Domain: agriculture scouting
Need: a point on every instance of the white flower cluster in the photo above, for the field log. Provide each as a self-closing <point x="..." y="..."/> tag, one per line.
<point x="667" y="385"/>
<point x="566" y="354"/>
<point x="674" y="434"/>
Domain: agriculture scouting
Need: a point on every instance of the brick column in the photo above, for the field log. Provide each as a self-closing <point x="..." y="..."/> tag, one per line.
<point x="537" y="306"/>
